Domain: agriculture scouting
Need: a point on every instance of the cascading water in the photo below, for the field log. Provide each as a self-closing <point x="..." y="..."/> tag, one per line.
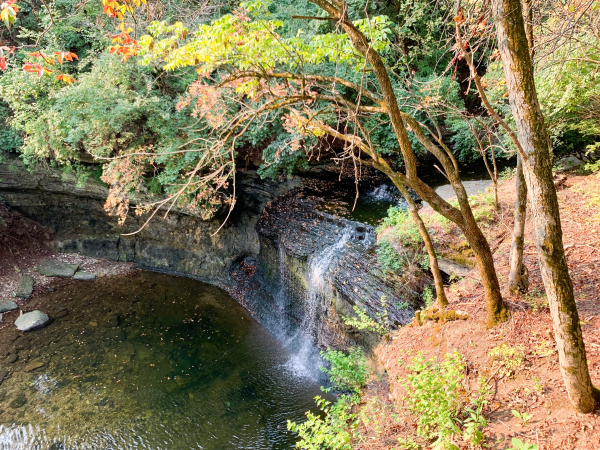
<point x="312" y="270"/>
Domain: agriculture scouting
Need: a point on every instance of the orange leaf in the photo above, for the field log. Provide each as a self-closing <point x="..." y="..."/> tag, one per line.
<point x="2" y="63"/>
<point x="66" y="78"/>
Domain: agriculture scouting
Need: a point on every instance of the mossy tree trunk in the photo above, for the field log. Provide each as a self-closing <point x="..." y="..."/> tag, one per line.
<point x="518" y="277"/>
<point x="537" y="169"/>
<point x="438" y="281"/>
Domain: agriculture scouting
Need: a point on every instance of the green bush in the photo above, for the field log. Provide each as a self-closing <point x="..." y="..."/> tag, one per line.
<point x="437" y="399"/>
<point x="348" y="372"/>
<point x="337" y="426"/>
<point x="402" y="233"/>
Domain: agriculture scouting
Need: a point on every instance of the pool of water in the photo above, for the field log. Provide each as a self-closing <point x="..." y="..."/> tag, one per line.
<point x="150" y="361"/>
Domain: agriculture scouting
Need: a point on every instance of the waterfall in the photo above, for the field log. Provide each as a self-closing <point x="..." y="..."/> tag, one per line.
<point x="313" y="269"/>
<point x="320" y="290"/>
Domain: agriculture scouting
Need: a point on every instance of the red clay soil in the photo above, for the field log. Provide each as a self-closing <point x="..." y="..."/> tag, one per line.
<point x="537" y="387"/>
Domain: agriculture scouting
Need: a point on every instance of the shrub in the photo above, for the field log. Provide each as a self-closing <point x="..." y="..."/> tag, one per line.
<point x="436" y="398"/>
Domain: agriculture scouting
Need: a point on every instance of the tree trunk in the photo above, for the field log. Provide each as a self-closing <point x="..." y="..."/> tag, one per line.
<point x="537" y="168"/>
<point x="518" y="277"/>
<point x="433" y="262"/>
<point x="463" y="218"/>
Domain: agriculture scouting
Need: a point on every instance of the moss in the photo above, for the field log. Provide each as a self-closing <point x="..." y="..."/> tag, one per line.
<point x="438" y="315"/>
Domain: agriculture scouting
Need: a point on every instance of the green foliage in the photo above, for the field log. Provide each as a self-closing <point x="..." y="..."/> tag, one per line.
<point x="436" y="398"/>
<point x="333" y="430"/>
<point x="399" y="242"/>
<point x="380" y="324"/>
<point x="507" y="359"/>
<point x="349" y="371"/>
<point x="522" y="416"/>
<point x="428" y="296"/>
<point x="336" y="427"/>
<point x="433" y="396"/>
<point x="517" y="444"/>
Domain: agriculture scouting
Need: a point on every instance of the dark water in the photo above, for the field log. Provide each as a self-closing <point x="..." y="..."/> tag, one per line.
<point x="152" y="361"/>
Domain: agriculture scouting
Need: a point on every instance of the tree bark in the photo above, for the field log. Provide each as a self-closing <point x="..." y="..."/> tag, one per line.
<point x="518" y="277"/>
<point x="537" y="168"/>
<point x="463" y="218"/>
<point x="438" y="281"/>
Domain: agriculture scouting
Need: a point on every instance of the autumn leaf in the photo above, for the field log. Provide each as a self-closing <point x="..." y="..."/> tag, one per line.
<point x="66" y="78"/>
<point x="3" y="65"/>
<point x="36" y="68"/>
<point x="8" y="12"/>
<point x="460" y="17"/>
<point x="65" y="56"/>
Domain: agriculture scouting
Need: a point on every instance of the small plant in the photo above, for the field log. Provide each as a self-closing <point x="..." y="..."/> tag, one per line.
<point x="432" y="395"/>
<point x="380" y="324"/>
<point x="402" y="305"/>
<point x="475" y="420"/>
<point x="517" y="444"/>
<point x="507" y="359"/>
<point x="337" y="426"/>
<point x="507" y="173"/>
<point x="427" y="296"/>
<point x="348" y="372"/>
<point x="537" y="300"/>
<point x="522" y="416"/>
<point x="334" y="431"/>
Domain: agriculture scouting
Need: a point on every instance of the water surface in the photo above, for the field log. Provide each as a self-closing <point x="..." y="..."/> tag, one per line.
<point x="150" y="361"/>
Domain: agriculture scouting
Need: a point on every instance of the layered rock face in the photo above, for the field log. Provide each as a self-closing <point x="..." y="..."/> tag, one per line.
<point x="180" y="243"/>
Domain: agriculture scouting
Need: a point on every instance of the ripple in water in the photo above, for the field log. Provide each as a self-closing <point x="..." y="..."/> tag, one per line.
<point x="152" y="361"/>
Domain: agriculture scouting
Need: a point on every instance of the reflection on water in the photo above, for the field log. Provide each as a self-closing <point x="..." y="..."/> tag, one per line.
<point x="150" y="361"/>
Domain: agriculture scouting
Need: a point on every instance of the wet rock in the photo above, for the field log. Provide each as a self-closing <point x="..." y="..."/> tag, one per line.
<point x="18" y="401"/>
<point x="33" y="365"/>
<point x="7" y="305"/>
<point x="57" y="446"/>
<point x="14" y="336"/>
<point x="84" y="276"/>
<point x="12" y="358"/>
<point x="2" y="395"/>
<point x="51" y="268"/>
<point x="25" y="286"/>
<point x="61" y="313"/>
<point x="22" y="343"/>
<point x="32" y="320"/>
<point x="1" y="317"/>
<point x="91" y="378"/>
<point x="3" y="374"/>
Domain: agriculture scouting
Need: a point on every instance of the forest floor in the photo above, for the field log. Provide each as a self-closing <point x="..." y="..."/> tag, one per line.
<point x="535" y="386"/>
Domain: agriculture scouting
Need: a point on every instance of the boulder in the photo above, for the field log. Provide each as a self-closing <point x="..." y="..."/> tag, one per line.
<point x="452" y="268"/>
<point x="7" y="305"/>
<point x="84" y="276"/>
<point x="567" y="163"/>
<point x="18" y="401"/>
<point x="25" y="286"/>
<point x="32" y="320"/>
<point x="52" y="268"/>
<point x="33" y="365"/>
